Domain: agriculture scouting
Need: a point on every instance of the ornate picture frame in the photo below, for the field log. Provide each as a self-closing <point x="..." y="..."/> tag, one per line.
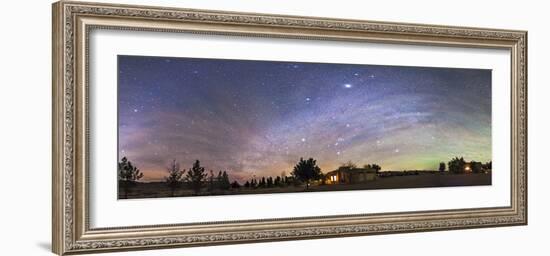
<point x="72" y="23"/>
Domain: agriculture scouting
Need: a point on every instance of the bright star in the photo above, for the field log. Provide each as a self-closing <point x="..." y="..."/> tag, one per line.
<point x="135" y="110"/>
<point x="348" y="86"/>
<point x="303" y="139"/>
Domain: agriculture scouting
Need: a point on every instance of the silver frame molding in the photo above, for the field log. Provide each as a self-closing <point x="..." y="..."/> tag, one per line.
<point x="72" y="22"/>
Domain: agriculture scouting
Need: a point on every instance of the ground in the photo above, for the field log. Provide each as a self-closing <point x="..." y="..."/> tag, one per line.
<point x="160" y="189"/>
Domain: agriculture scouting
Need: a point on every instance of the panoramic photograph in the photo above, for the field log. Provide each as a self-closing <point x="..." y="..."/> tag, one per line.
<point x="220" y="127"/>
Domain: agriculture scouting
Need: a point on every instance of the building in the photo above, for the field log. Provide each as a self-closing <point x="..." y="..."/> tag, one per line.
<point x="347" y="175"/>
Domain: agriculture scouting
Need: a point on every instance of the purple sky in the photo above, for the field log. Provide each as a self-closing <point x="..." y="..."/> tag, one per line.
<point x="259" y="117"/>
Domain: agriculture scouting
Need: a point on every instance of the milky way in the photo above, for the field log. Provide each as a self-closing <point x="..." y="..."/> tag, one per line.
<point x="257" y="118"/>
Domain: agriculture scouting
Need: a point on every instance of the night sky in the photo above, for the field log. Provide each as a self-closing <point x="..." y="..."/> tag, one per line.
<point x="259" y="117"/>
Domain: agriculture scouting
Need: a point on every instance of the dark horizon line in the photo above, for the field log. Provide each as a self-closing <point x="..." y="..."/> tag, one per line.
<point x="260" y="177"/>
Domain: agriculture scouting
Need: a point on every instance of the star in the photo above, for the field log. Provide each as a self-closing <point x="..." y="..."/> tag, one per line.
<point x="263" y="122"/>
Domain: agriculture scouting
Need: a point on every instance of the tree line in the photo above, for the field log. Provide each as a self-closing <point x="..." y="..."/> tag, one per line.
<point x="304" y="172"/>
<point x="459" y="165"/>
<point x="196" y="178"/>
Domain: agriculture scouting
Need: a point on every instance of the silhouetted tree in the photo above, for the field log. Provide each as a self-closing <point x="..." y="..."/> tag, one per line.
<point x="375" y="167"/>
<point x="128" y="175"/>
<point x="306" y="170"/>
<point x="224" y="182"/>
<point x="269" y="182"/>
<point x="247" y="184"/>
<point x="442" y="166"/>
<point x="456" y="165"/>
<point x="283" y="179"/>
<point x="219" y="179"/>
<point x="277" y="181"/>
<point x="211" y="181"/>
<point x="262" y="183"/>
<point x="287" y="181"/>
<point x="476" y="167"/>
<point x="196" y="177"/>
<point x="348" y="165"/>
<point x="235" y="185"/>
<point x="488" y="166"/>
<point x="174" y="178"/>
